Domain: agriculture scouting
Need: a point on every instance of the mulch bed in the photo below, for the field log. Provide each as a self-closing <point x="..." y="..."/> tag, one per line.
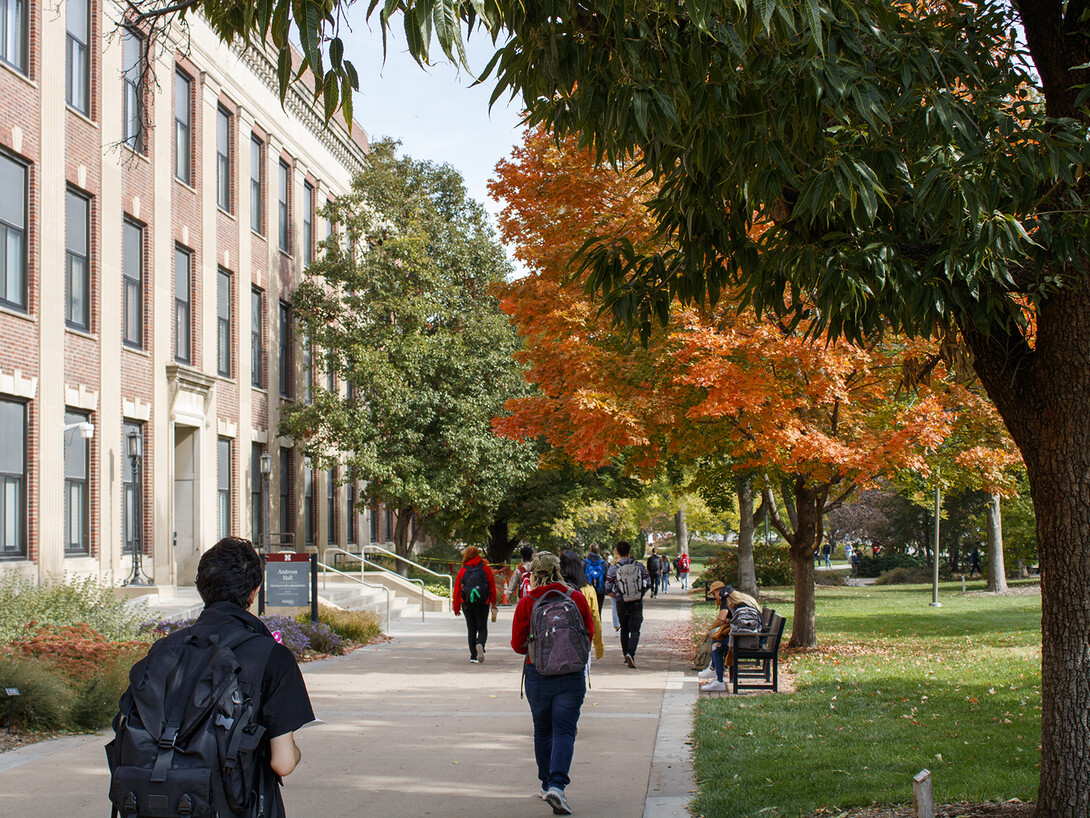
<point x="12" y="741"/>
<point x="965" y="809"/>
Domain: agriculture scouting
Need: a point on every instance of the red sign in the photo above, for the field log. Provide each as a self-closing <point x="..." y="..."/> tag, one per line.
<point x="287" y="556"/>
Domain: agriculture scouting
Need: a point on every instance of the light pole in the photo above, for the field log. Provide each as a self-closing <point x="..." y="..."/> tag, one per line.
<point x="135" y="450"/>
<point x="266" y="470"/>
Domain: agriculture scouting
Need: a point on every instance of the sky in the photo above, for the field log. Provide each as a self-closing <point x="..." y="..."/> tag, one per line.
<point x="434" y="111"/>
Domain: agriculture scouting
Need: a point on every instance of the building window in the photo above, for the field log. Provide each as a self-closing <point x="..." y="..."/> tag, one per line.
<point x="77" y="516"/>
<point x="77" y="216"/>
<point x="13" y="25"/>
<point x="389" y="524"/>
<point x="12" y="478"/>
<point x="350" y="508"/>
<point x="257" y="495"/>
<point x="78" y="23"/>
<point x="286" y="483"/>
<point x="182" y="295"/>
<point x="223" y="159"/>
<point x="257" y="338"/>
<point x="285" y="350"/>
<point x="223" y="323"/>
<point x="308" y="371"/>
<point x="132" y="103"/>
<point x="257" y="205"/>
<point x="373" y="515"/>
<point x="132" y="518"/>
<point x="331" y="507"/>
<point x="223" y="485"/>
<point x="13" y="232"/>
<point x="308" y="223"/>
<point x="282" y="209"/>
<point x="308" y="501"/>
<point x="133" y="286"/>
<point x="182" y="147"/>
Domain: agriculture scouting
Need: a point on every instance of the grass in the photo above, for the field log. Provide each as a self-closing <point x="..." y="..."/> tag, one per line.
<point x="895" y="687"/>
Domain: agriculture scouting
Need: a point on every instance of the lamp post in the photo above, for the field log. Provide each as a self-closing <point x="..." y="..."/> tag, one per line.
<point x="266" y="470"/>
<point x="135" y="450"/>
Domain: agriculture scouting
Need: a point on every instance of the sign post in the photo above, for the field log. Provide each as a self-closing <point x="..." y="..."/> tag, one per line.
<point x="291" y="581"/>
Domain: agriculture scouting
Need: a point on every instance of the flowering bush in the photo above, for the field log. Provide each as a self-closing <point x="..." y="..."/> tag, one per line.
<point x="291" y="634"/>
<point x="78" y="652"/>
<point x="322" y="637"/>
<point x="56" y="602"/>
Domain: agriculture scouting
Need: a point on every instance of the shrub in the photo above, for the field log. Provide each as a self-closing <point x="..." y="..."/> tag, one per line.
<point x="441" y="588"/>
<point x="355" y="626"/>
<point x="322" y="637"/>
<point x="772" y="564"/>
<point x="912" y="576"/>
<point x="97" y="700"/>
<point x="873" y="566"/>
<point x="45" y="701"/>
<point x="290" y="632"/>
<point x="78" y="652"/>
<point x="166" y="627"/>
<point x="829" y="578"/>
<point x="55" y="602"/>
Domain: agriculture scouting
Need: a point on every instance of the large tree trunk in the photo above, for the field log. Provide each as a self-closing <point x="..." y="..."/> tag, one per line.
<point x="404" y="537"/>
<point x="806" y="507"/>
<point x="500" y="544"/>
<point x="804" y="623"/>
<point x="997" y="571"/>
<point x="1042" y="393"/>
<point x="747" y="571"/>
<point x="681" y="529"/>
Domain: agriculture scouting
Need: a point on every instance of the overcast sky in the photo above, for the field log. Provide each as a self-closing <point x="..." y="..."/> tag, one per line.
<point x="434" y="111"/>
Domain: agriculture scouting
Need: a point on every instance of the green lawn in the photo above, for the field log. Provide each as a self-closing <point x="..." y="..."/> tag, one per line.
<point x="895" y="687"/>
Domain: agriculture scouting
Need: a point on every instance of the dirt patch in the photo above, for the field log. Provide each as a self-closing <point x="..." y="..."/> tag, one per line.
<point x="965" y="809"/>
<point x="13" y="741"/>
<point x="1014" y="590"/>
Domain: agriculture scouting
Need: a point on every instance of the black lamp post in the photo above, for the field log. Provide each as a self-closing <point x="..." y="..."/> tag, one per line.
<point x="135" y="450"/>
<point x="266" y="470"/>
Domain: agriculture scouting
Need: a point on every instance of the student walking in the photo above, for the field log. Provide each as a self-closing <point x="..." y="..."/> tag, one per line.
<point x="653" y="565"/>
<point x="595" y="568"/>
<point x="683" y="566"/>
<point x="474" y="594"/>
<point x="519" y="583"/>
<point x="553" y="628"/>
<point x="627" y="582"/>
<point x="974" y="563"/>
<point x="571" y="569"/>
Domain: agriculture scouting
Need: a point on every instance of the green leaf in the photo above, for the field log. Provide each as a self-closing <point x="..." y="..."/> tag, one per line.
<point x="336" y="52"/>
<point x="765" y="10"/>
<point x="283" y="72"/>
<point x="330" y="94"/>
<point x="813" y="17"/>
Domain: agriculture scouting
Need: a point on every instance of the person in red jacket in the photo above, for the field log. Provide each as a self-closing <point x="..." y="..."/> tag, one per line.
<point x="475" y="593"/>
<point x="555" y="701"/>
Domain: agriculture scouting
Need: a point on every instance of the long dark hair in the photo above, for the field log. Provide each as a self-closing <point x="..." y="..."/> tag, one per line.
<point x="571" y="568"/>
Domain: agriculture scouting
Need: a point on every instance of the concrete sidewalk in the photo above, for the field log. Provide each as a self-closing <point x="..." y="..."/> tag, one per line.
<point x="412" y="728"/>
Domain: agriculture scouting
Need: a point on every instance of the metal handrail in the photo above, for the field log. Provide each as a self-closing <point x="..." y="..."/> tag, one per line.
<point x="365" y="562"/>
<point x="326" y="568"/>
<point x="387" y="552"/>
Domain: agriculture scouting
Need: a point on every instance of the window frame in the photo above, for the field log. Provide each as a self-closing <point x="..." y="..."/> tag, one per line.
<point x="257" y="337"/>
<point x="72" y="257"/>
<point x="224" y="188"/>
<point x="14" y="482"/>
<point x="183" y="131"/>
<point x="309" y="531"/>
<point x="132" y="94"/>
<point x="77" y="90"/>
<point x="18" y="10"/>
<point x="80" y="485"/>
<point x="129" y="493"/>
<point x="331" y="507"/>
<point x="283" y="207"/>
<point x="308" y="223"/>
<point x="21" y="230"/>
<point x="350" y="508"/>
<point x="128" y="284"/>
<point x="223" y="486"/>
<point x="257" y="495"/>
<point x="257" y="188"/>
<point x="287" y="483"/>
<point x="284" y="350"/>
<point x="224" y="322"/>
<point x="186" y="304"/>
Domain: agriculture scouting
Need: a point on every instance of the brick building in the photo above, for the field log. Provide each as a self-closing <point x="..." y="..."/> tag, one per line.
<point x="153" y="224"/>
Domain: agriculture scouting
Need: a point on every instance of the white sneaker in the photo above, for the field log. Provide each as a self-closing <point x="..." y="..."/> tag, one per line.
<point x="714" y="687"/>
<point x="707" y="674"/>
<point x="554" y="797"/>
<point x="480" y="653"/>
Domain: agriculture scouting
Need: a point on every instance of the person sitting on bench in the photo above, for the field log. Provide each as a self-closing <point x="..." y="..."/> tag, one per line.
<point x="742" y="627"/>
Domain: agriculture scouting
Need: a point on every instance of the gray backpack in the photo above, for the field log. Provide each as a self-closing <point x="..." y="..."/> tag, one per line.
<point x="559" y="642"/>
<point x="630" y="581"/>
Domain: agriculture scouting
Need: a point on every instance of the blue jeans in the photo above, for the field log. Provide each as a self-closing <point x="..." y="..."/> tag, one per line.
<point x="719" y="654"/>
<point x="554" y="703"/>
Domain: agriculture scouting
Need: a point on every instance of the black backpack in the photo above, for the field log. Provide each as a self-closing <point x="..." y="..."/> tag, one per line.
<point x="474" y="585"/>
<point x="186" y="739"/>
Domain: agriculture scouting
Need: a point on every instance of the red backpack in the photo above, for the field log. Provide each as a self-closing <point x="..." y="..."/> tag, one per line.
<point x="524" y="584"/>
<point x="683" y="562"/>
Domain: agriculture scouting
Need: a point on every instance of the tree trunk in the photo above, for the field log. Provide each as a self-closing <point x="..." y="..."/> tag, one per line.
<point x="747" y="571"/>
<point x="807" y="509"/>
<point x="500" y="544"/>
<point x="1042" y="393"/>
<point x="681" y="529"/>
<point x="997" y="571"/>
<point x="804" y="623"/>
<point x="402" y="543"/>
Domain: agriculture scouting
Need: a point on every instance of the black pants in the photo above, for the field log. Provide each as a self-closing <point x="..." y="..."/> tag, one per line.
<point x="630" y="615"/>
<point x="654" y="587"/>
<point x="476" y="615"/>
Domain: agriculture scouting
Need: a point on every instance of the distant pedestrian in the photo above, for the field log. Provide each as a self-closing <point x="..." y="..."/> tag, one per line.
<point x="519" y="583"/>
<point x="683" y="566"/>
<point x="627" y="582"/>
<point x="595" y="568"/>
<point x="554" y="677"/>
<point x="826" y="552"/>
<point x="571" y="569"/>
<point x="664" y="574"/>
<point x="855" y="563"/>
<point x="974" y="563"/>
<point x="653" y="572"/>
<point x="474" y="594"/>
<point x="848" y="552"/>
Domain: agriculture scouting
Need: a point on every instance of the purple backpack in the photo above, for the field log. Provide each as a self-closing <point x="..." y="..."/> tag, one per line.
<point x="559" y="642"/>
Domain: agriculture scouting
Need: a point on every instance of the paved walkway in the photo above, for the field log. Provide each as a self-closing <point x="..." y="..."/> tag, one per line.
<point x="411" y="728"/>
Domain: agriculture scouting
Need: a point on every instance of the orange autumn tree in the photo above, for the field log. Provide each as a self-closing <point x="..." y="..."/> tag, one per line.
<point x="814" y="421"/>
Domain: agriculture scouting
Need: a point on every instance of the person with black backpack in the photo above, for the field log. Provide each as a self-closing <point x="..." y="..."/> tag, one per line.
<point x="474" y="594"/>
<point x="553" y="628"/>
<point x="627" y="581"/>
<point x="206" y="725"/>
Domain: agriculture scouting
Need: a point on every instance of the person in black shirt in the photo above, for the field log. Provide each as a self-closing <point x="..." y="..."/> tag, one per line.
<point x="228" y="578"/>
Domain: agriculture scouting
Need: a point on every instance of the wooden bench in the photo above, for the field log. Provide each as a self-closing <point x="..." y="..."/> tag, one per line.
<point x="759" y="668"/>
